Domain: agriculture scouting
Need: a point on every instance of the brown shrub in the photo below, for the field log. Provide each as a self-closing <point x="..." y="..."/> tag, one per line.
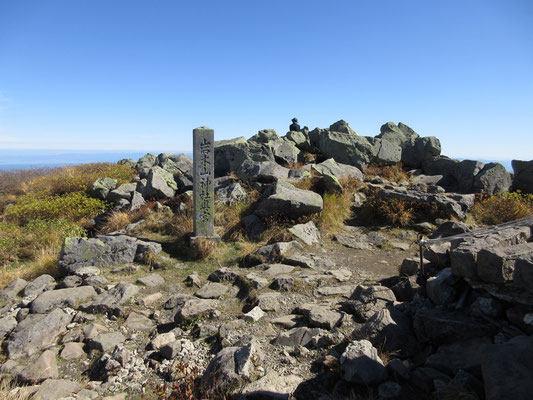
<point x="393" y="173"/>
<point x="116" y="221"/>
<point x="12" y="181"/>
<point x="502" y="208"/>
<point x="77" y="178"/>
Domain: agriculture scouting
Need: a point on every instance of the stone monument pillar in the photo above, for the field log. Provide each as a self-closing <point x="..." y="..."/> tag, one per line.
<point x="203" y="183"/>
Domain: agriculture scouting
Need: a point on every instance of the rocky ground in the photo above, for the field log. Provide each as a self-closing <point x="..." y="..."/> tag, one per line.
<point x="352" y="316"/>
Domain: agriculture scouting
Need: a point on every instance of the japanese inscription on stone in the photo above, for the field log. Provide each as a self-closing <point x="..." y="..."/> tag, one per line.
<point x="203" y="182"/>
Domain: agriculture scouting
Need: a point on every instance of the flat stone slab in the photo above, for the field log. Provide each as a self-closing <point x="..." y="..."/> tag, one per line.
<point x="307" y="233"/>
<point x="152" y="280"/>
<point x="288" y="321"/>
<point x="353" y="242"/>
<point x="344" y="290"/>
<point x="274" y="386"/>
<point x="194" y="308"/>
<point x="69" y="297"/>
<point x="273" y="270"/>
<point x="110" y="302"/>
<point x="57" y="389"/>
<point x="139" y="322"/>
<point x="72" y="351"/>
<point x="320" y="316"/>
<point x="106" y="341"/>
<point x="211" y="290"/>
<point x="44" y="367"/>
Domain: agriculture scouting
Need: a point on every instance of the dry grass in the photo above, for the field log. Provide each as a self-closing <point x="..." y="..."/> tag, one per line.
<point x="45" y="262"/>
<point x="13" y="181"/>
<point x="76" y="178"/>
<point x="338" y="206"/>
<point x="10" y="391"/>
<point x="393" y="173"/>
<point x="116" y="221"/>
<point x="203" y="249"/>
<point x="502" y="208"/>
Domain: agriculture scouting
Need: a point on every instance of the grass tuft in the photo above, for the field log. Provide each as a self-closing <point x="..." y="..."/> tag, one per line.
<point x="504" y="207"/>
<point x="393" y="173"/>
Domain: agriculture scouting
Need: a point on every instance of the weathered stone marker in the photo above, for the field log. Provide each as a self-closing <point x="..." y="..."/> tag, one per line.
<point x="203" y="182"/>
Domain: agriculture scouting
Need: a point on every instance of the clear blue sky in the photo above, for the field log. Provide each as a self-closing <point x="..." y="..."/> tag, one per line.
<point x="140" y="75"/>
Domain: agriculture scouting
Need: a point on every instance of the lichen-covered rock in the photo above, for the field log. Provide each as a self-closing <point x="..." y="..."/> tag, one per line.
<point x="102" y="186"/>
<point x="286" y="200"/>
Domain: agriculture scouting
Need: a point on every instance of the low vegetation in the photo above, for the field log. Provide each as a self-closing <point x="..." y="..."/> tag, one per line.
<point x="40" y="207"/>
<point x="503" y="207"/>
<point x="393" y="173"/>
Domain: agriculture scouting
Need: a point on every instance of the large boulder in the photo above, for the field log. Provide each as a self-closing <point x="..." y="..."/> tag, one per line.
<point x="492" y="179"/>
<point x="264" y="172"/>
<point x="361" y="364"/>
<point x="507" y="370"/>
<point x="102" y="186"/>
<point x="345" y="146"/>
<point x="160" y="184"/>
<point x="124" y="191"/>
<point x="230" y="154"/>
<point x="286" y="200"/>
<point x="36" y="332"/>
<point x="338" y="170"/>
<point x="148" y="160"/>
<point x="523" y="175"/>
<point x="468" y="176"/>
<point x="102" y="251"/>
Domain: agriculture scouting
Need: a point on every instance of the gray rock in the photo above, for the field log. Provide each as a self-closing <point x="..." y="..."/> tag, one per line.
<point x="85" y="272"/>
<point x="388" y="329"/>
<point x="36" y="332"/>
<point x="286" y="200"/>
<point x="438" y="254"/>
<point x="52" y="299"/>
<point x="353" y="242"/>
<point x="103" y="251"/>
<point x="137" y="201"/>
<point x="410" y="266"/>
<point x="342" y="143"/>
<point x="160" y="184"/>
<point x="13" y="289"/>
<point x="230" y="194"/>
<point x="148" y="160"/>
<point x="152" y="280"/>
<point x="230" y="154"/>
<point x="320" y="316"/>
<point x="95" y="281"/>
<point x="302" y="336"/>
<point x="467" y="355"/>
<point x="492" y="179"/>
<point x="45" y="367"/>
<point x="110" y="302"/>
<point x="523" y="175"/>
<point x="211" y="290"/>
<point x="230" y="366"/>
<point x="507" y="370"/>
<point x="171" y="350"/>
<point x="264" y="172"/>
<point x="72" y="351"/>
<point x="254" y="315"/>
<point x="7" y="324"/>
<point x="129" y="162"/>
<point x="102" y="186"/>
<point x="272" y="386"/>
<point x="440" y="288"/>
<point x="70" y="281"/>
<point x="39" y="285"/>
<point x="283" y="282"/>
<point x="138" y="322"/>
<point x="194" y="308"/>
<point x="163" y="339"/>
<point x="273" y="253"/>
<point x="269" y="301"/>
<point x="497" y="264"/>
<point x="106" y="341"/>
<point x="441" y="327"/>
<point x="367" y="300"/>
<point x="123" y="192"/>
<point x="338" y="170"/>
<point x="223" y="274"/>
<point x="361" y="365"/>
<point x="93" y="330"/>
<point x="307" y="233"/>
<point x="59" y="389"/>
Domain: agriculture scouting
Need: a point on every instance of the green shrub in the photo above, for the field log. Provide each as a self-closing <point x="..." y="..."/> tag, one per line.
<point x="503" y="207"/>
<point x="72" y="206"/>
